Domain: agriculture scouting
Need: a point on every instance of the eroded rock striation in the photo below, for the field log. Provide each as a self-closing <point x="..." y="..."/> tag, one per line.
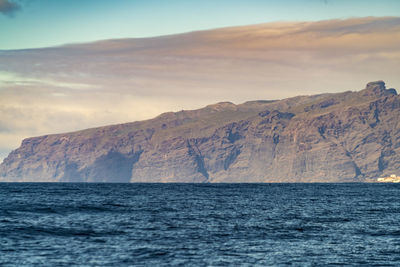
<point x="343" y="137"/>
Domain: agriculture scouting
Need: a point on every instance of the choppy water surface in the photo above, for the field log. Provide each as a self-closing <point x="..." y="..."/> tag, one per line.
<point x="192" y="224"/>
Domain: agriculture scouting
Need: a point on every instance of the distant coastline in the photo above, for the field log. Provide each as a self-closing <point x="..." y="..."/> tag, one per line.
<point x="389" y="179"/>
<point x="328" y="138"/>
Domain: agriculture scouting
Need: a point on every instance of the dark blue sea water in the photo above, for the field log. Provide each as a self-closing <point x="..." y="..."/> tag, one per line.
<point x="199" y="224"/>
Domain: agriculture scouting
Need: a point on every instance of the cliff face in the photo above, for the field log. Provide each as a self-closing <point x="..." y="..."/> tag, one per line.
<point x="345" y="137"/>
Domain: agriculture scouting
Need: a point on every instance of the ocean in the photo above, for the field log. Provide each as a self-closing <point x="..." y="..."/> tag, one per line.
<point x="199" y="224"/>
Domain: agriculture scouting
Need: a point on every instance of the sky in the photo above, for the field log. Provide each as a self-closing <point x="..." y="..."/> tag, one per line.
<point x="288" y="48"/>
<point x="43" y="23"/>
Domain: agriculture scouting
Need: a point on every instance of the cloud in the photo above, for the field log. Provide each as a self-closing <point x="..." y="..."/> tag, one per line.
<point x="8" y="7"/>
<point x="67" y="88"/>
<point x="9" y="79"/>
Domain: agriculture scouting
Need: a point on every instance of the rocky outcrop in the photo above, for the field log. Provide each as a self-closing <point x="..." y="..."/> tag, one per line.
<point x="344" y="137"/>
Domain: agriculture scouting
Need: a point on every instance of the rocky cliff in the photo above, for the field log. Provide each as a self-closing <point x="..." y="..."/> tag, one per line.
<point x="344" y="137"/>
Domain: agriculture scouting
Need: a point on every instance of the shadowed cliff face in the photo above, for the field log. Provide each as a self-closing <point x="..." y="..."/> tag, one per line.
<point x="344" y="137"/>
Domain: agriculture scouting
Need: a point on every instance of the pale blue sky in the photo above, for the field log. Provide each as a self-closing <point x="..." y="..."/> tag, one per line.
<point x="42" y="23"/>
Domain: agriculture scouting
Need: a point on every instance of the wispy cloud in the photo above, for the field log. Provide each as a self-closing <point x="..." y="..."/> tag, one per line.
<point x="8" y="7"/>
<point x="10" y="79"/>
